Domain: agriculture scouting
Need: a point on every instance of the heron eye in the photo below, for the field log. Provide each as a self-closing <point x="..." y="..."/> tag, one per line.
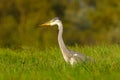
<point x="52" y="20"/>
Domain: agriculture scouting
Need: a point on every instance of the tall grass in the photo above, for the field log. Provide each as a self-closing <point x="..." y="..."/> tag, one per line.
<point x="35" y="64"/>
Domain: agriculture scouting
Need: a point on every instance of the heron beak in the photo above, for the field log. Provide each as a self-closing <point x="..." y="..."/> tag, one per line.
<point x="45" y="24"/>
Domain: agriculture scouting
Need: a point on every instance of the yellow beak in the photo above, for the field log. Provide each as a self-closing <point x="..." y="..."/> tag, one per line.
<point x="45" y="24"/>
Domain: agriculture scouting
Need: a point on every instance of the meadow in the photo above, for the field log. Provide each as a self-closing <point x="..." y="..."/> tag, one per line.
<point x="48" y="64"/>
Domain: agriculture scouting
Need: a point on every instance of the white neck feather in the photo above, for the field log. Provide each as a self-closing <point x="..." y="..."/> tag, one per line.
<point x="61" y="42"/>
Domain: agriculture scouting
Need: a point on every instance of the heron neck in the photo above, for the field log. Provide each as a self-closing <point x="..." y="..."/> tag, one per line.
<point x="60" y="39"/>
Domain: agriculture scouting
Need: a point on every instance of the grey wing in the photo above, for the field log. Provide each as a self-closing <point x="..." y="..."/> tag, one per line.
<point x="80" y="57"/>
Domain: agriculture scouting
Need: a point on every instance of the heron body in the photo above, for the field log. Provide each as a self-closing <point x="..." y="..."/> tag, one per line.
<point x="68" y="55"/>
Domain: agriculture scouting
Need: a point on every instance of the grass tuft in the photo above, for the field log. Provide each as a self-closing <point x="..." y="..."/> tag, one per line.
<point x="35" y="64"/>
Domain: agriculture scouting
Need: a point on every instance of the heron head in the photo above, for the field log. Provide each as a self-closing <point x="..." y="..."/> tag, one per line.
<point x="52" y="22"/>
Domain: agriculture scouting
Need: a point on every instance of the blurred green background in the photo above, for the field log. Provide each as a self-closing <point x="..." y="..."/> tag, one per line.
<point x="86" y="22"/>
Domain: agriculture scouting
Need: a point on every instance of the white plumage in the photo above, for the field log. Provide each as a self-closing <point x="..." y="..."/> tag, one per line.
<point x="68" y="55"/>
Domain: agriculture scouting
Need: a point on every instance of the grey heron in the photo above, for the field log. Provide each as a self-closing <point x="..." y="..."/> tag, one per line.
<point x="68" y="55"/>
